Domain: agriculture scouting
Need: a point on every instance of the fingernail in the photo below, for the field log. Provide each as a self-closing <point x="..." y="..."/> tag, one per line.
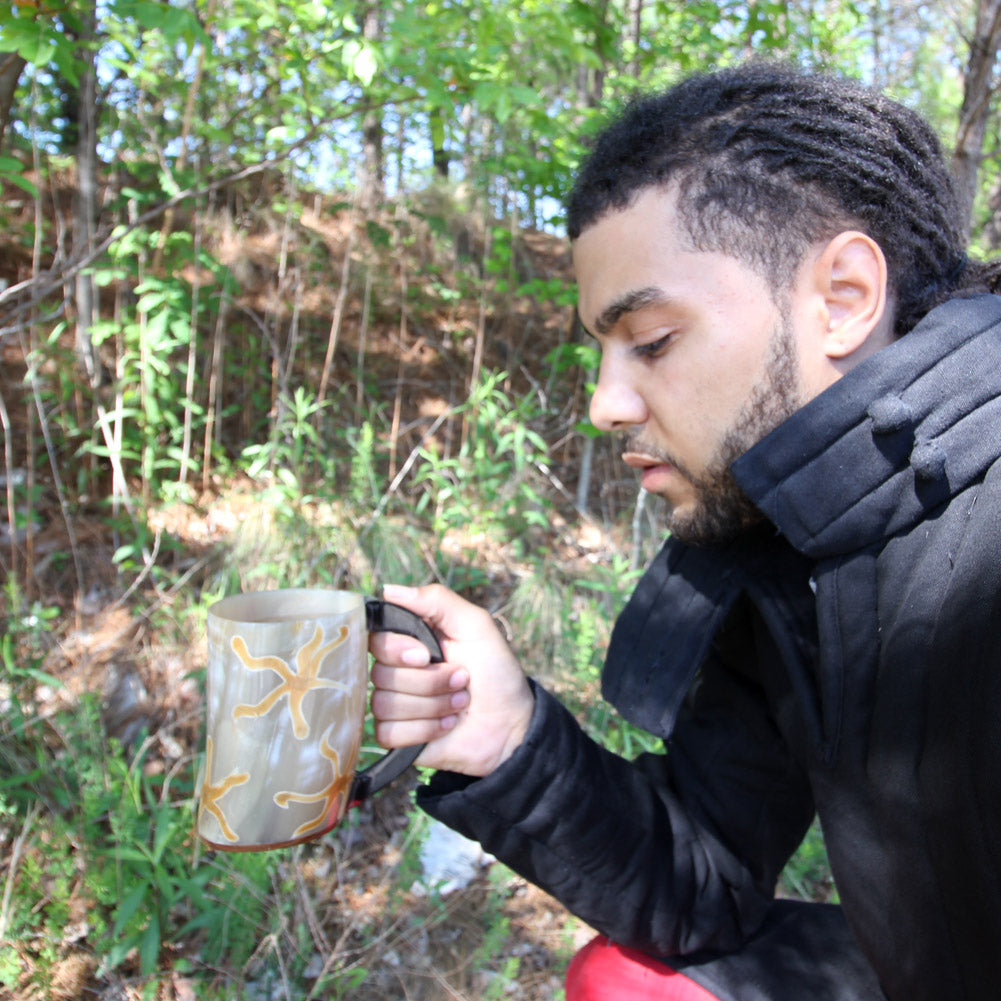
<point x="448" y="722"/>
<point x="416" y="656"/>
<point x="459" y="679"/>
<point x="460" y="700"/>
<point x="398" y="592"/>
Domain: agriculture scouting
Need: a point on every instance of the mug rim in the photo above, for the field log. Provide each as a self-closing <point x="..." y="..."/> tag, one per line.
<point x="307" y="603"/>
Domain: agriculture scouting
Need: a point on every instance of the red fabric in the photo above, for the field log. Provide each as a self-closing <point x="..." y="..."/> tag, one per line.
<point x="603" y="971"/>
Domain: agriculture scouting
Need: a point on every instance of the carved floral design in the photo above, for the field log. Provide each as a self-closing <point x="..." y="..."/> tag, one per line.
<point x="294" y="684"/>
<point x="213" y="792"/>
<point x="327" y="796"/>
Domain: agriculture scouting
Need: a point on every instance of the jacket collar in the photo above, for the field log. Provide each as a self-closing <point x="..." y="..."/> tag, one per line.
<point x="670" y="622"/>
<point x="870" y="456"/>
<point x="884" y="446"/>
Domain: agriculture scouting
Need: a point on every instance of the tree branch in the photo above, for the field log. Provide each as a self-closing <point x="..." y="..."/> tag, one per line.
<point x="28" y="294"/>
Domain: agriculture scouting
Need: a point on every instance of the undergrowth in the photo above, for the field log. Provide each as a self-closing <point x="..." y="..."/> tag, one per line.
<point x="105" y="886"/>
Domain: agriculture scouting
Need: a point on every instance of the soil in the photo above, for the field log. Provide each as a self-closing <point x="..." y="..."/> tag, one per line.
<point x="498" y="937"/>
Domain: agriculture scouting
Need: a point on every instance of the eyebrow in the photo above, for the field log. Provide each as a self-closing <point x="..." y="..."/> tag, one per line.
<point x="628" y="302"/>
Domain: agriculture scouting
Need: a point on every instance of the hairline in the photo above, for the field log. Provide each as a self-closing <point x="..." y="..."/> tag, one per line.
<point x="685" y="187"/>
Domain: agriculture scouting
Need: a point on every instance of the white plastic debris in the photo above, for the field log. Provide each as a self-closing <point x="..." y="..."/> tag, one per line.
<point x="449" y="860"/>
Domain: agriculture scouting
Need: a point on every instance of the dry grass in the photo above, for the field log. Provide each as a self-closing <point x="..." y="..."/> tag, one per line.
<point x="347" y="906"/>
<point x="135" y="641"/>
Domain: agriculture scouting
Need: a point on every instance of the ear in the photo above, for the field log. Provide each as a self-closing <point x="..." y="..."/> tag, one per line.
<point x="851" y="275"/>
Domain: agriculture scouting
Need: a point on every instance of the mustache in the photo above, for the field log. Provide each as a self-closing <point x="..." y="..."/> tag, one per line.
<point x="636" y="443"/>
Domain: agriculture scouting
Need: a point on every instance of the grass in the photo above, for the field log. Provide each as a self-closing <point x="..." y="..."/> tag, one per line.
<point x="105" y="888"/>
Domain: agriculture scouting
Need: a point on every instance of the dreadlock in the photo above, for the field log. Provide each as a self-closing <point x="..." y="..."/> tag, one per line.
<point x="768" y="160"/>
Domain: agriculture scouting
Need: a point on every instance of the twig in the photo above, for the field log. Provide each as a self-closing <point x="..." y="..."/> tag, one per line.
<point x="335" y="321"/>
<point x="320" y="940"/>
<point x="641" y="497"/>
<point x="41" y="286"/>
<point x="557" y="484"/>
<point x="15" y="858"/>
<point x="149" y="561"/>
<point x="391" y="490"/>
<point x="56" y="478"/>
<point x="8" y="461"/>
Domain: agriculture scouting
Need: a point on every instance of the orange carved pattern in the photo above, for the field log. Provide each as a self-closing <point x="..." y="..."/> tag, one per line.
<point x="328" y="796"/>
<point x="212" y="792"/>
<point x="294" y="684"/>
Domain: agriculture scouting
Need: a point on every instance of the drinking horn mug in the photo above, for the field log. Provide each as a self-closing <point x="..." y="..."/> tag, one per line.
<point x="287" y="689"/>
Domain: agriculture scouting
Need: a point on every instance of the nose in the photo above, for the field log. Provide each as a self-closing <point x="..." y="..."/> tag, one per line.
<point x="616" y="404"/>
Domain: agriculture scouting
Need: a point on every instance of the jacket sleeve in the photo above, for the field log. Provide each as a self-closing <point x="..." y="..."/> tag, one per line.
<point x="669" y="853"/>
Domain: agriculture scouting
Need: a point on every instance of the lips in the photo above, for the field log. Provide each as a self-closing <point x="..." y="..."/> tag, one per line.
<point x="655" y="473"/>
<point x="641" y="460"/>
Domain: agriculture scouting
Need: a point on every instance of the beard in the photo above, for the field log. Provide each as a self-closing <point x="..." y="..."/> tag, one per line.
<point x="722" y="511"/>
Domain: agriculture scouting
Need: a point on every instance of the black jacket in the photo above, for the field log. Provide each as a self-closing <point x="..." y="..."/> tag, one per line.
<point x="848" y="664"/>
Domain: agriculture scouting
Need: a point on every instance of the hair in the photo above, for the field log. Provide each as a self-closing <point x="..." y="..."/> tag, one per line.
<point x="768" y="160"/>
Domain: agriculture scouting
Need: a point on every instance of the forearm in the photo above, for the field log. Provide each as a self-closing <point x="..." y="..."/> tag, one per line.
<point x="608" y="838"/>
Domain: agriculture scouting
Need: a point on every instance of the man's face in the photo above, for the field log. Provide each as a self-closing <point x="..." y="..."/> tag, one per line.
<point x="698" y="361"/>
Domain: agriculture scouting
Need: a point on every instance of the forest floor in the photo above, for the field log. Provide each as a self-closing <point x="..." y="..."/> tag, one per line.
<point x="350" y="915"/>
<point x="352" y="904"/>
<point x="355" y="899"/>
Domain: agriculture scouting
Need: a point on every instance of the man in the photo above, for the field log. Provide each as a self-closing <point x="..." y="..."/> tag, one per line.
<point x="804" y="364"/>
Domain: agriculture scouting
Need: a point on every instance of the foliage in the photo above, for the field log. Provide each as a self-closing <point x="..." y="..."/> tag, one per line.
<point x="489" y="485"/>
<point x="807" y="874"/>
<point x="316" y="265"/>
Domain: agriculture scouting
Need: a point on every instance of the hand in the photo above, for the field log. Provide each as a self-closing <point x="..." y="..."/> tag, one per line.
<point x="473" y="710"/>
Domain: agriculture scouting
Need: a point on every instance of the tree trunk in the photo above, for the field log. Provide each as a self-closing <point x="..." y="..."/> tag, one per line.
<point x="636" y="31"/>
<point x="992" y="231"/>
<point x="85" y="205"/>
<point x="439" y="155"/>
<point x="373" y="186"/>
<point x="187" y="121"/>
<point x="978" y="88"/>
<point x="11" y="65"/>
<point x="601" y="49"/>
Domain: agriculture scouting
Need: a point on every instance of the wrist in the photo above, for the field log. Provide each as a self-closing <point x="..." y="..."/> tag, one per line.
<point x="518" y="731"/>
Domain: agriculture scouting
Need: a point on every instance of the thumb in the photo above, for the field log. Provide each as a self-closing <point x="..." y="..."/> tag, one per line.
<point x="440" y="607"/>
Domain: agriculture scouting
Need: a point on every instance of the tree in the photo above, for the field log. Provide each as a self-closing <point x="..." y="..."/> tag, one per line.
<point x="979" y="89"/>
<point x="11" y="65"/>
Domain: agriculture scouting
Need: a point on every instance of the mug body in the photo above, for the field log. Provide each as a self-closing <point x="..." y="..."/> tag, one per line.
<point x="287" y="686"/>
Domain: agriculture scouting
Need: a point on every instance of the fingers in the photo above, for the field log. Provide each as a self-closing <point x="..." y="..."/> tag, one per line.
<point x="414" y="705"/>
<point x="391" y="706"/>
<point x="452" y="616"/>
<point x="407" y="733"/>
<point x="402" y="693"/>
<point x="424" y="682"/>
<point x="403" y="719"/>
<point x="473" y="709"/>
<point x="395" y="648"/>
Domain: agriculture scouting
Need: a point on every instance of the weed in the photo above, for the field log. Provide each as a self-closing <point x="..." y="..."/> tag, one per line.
<point x="490" y="486"/>
<point x="807" y="874"/>
<point x="364" y="486"/>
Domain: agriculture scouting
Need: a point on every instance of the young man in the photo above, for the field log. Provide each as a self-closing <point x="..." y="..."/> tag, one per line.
<point x="804" y="364"/>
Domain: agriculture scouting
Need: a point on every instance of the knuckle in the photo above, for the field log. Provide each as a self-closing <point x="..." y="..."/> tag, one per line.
<point x="382" y="675"/>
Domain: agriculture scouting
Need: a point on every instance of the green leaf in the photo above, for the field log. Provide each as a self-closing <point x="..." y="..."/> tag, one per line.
<point x="33" y="41"/>
<point x="140" y="854"/>
<point x="21" y="182"/>
<point x="366" y="65"/>
<point x="149" y="947"/>
<point x="127" y="909"/>
<point x="118" y="952"/>
<point x="360" y="60"/>
<point x="164" y="830"/>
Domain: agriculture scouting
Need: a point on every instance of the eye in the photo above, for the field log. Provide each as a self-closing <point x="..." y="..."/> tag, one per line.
<point x="653" y="349"/>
